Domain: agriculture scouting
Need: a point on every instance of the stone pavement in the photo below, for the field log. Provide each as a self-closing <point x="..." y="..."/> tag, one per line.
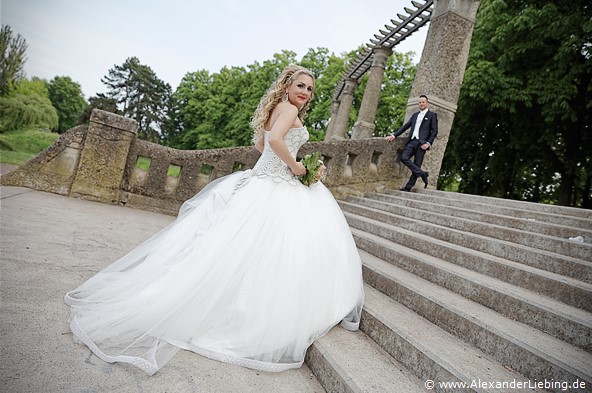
<point x="50" y="244"/>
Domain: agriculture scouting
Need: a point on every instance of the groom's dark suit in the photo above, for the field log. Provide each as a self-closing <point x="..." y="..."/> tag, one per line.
<point x="428" y="130"/>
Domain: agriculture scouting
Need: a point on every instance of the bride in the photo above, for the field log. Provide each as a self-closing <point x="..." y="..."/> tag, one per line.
<point x="254" y="269"/>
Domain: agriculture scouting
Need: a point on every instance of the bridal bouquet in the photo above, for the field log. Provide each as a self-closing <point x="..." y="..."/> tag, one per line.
<point x="315" y="169"/>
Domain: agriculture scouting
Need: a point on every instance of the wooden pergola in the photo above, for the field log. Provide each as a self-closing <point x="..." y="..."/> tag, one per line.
<point x="388" y="38"/>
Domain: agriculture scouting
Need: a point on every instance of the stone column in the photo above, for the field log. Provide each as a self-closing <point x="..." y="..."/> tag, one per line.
<point x="331" y="125"/>
<point x="342" y="118"/>
<point x="103" y="157"/>
<point x="441" y="71"/>
<point x="364" y="126"/>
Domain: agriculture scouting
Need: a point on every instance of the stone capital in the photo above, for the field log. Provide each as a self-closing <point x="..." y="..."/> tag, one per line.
<point x="350" y="86"/>
<point x="435" y="101"/>
<point x="463" y="8"/>
<point x="381" y="55"/>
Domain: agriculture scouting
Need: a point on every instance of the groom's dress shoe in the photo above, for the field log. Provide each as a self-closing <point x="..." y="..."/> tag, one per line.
<point x="424" y="177"/>
<point x="404" y="189"/>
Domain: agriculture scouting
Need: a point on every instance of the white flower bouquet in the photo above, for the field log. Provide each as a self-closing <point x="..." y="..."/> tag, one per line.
<point x="315" y="169"/>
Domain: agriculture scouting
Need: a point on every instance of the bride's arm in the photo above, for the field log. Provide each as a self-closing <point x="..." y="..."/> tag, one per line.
<point x="286" y="117"/>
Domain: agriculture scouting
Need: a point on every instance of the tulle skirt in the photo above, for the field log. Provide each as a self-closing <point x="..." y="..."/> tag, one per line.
<point x="252" y="271"/>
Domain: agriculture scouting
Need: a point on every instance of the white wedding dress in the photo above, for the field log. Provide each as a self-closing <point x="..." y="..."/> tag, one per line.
<point x="254" y="269"/>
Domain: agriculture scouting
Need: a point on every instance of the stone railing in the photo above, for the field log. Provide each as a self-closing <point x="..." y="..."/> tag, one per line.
<point x="100" y="162"/>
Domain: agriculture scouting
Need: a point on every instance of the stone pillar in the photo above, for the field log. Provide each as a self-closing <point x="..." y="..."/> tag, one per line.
<point x="103" y="157"/>
<point x="342" y="118"/>
<point x="441" y="70"/>
<point x="331" y="125"/>
<point x="364" y="126"/>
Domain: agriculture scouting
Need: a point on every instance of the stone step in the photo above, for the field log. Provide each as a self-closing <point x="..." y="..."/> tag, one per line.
<point x="344" y="361"/>
<point x="532" y="353"/>
<point x="429" y="351"/>
<point x="561" y="215"/>
<point x="365" y="218"/>
<point x="476" y="226"/>
<point x="466" y="212"/>
<point x="568" y="323"/>
<point x="521" y="205"/>
<point x="564" y="289"/>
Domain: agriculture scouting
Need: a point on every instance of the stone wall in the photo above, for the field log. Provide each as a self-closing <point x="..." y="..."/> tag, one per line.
<point x="99" y="162"/>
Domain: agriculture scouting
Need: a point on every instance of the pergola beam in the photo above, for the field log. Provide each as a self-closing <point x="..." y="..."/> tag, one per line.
<point x="400" y="30"/>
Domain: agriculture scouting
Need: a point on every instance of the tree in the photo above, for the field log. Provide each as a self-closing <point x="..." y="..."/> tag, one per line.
<point x="27" y="105"/>
<point x="100" y="101"/>
<point x="26" y="111"/>
<point x="13" y="58"/>
<point x="213" y="110"/>
<point x="66" y="96"/>
<point x="140" y="95"/>
<point x="522" y="130"/>
<point x="29" y="87"/>
<point x="187" y="109"/>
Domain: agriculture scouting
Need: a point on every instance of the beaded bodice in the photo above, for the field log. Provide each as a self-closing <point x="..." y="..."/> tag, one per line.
<point x="269" y="164"/>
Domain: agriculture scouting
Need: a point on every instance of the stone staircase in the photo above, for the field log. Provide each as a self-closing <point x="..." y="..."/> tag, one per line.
<point x="462" y="289"/>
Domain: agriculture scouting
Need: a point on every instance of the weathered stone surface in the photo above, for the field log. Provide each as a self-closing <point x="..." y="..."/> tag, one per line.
<point x="339" y="130"/>
<point x="52" y="170"/>
<point x="103" y="158"/>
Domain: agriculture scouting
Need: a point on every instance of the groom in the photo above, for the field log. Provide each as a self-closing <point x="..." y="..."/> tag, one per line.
<point x="424" y="128"/>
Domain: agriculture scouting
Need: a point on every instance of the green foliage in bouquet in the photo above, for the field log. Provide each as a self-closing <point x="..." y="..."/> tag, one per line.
<point x="315" y="169"/>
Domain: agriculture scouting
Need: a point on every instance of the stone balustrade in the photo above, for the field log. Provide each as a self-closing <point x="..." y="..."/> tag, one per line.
<point x="101" y="162"/>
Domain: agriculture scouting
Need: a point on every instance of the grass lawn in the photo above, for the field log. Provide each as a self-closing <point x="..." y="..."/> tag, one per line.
<point x="17" y="147"/>
<point x="14" y="158"/>
<point x="144" y="164"/>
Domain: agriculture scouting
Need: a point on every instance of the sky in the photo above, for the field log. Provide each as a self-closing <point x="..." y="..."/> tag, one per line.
<point x="83" y="39"/>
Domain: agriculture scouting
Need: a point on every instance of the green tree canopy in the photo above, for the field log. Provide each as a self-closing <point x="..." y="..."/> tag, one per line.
<point x="140" y="95"/>
<point x="29" y="87"/>
<point x="26" y="111"/>
<point x="13" y="58"/>
<point x="522" y="130"/>
<point x="213" y="110"/>
<point x="66" y="96"/>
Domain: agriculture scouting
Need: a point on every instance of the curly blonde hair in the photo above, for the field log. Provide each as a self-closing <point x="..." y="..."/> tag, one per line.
<point x="274" y="96"/>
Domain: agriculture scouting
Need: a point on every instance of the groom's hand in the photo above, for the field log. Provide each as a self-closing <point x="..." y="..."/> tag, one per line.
<point x="390" y="138"/>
